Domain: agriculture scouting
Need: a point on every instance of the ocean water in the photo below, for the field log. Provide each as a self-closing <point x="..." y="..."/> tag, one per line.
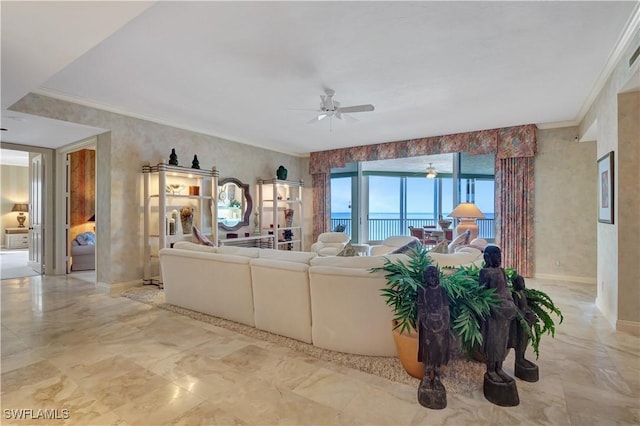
<point x="373" y="215"/>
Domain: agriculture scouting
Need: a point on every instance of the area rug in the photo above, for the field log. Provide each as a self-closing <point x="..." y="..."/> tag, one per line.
<point x="459" y="376"/>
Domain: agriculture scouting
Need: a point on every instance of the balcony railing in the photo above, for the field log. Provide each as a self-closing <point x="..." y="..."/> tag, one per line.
<point x="379" y="229"/>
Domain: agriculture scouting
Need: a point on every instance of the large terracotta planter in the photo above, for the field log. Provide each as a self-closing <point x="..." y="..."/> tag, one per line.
<point x="407" y="348"/>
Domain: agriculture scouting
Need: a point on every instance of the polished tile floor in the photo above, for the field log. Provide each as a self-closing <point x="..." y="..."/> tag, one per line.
<point x="99" y="359"/>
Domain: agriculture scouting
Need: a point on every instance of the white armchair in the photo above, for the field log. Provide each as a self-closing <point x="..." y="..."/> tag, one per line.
<point x="390" y="244"/>
<point x="330" y="243"/>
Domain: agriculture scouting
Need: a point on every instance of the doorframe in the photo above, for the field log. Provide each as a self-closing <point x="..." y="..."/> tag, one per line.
<point x="63" y="247"/>
<point x="48" y="200"/>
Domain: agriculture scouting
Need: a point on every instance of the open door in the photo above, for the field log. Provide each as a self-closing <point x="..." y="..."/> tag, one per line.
<point x="35" y="213"/>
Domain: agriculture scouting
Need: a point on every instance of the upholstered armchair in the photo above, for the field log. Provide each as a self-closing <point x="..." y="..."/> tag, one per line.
<point x="330" y="243"/>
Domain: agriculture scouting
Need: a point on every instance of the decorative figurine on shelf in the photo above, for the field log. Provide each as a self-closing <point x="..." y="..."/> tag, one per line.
<point x="288" y="217"/>
<point x="499" y="388"/>
<point x="281" y="173"/>
<point x="186" y="218"/>
<point x="195" y="164"/>
<point x="433" y="338"/>
<point x="256" y="224"/>
<point x="173" y="158"/>
<point x="524" y="369"/>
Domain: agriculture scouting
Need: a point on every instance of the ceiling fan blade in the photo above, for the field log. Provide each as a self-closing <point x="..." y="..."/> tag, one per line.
<point x="350" y="118"/>
<point x="356" y="108"/>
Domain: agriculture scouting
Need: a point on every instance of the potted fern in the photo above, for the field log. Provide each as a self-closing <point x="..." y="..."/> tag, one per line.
<point x="469" y="304"/>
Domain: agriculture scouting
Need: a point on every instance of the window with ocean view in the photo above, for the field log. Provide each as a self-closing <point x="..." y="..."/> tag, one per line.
<point x="398" y="195"/>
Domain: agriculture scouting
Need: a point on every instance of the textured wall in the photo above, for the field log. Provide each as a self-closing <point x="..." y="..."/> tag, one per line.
<point x="629" y="207"/>
<point x="121" y="153"/>
<point x="82" y="191"/>
<point x="604" y="113"/>
<point x="14" y="188"/>
<point x="565" y="206"/>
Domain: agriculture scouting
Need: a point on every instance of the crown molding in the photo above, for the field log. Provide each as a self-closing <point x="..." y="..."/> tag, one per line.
<point x="115" y="110"/>
<point x="633" y="25"/>
<point x="557" y="124"/>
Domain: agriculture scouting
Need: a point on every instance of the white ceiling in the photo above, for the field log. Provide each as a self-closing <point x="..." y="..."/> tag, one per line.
<point x="241" y="70"/>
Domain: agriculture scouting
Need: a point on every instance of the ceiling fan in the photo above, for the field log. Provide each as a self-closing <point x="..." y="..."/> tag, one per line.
<point x="331" y="108"/>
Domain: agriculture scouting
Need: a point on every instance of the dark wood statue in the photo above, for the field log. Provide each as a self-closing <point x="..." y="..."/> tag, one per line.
<point x="433" y="338"/>
<point x="524" y="369"/>
<point x="173" y="157"/>
<point x="195" y="164"/>
<point x="499" y="388"/>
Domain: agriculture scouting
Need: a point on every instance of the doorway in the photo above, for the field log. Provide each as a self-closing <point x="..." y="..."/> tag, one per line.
<point x="76" y="206"/>
<point x="81" y="202"/>
<point x="16" y="215"/>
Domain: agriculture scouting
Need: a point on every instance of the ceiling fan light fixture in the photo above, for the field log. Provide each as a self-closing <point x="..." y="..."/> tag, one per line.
<point x="432" y="173"/>
<point x="329" y="107"/>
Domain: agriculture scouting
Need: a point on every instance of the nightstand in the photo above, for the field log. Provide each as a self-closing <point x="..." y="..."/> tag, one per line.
<point x="16" y="238"/>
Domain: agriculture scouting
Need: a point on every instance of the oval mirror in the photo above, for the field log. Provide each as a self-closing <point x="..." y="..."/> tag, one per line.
<point x="234" y="204"/>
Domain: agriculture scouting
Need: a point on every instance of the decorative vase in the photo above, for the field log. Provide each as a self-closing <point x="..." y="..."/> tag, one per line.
<point x="186" y="218"/>
<point x="288" y="217"/>
<point x="407" y="348"/>
<point x="444" y="224"/>
<point x="281" y="173"/>
<point x="256" y="223"/>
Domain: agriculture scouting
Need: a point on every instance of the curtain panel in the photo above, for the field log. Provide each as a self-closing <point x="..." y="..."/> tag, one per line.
<point x="517" y="142"/>
<point x="514" y="212"/>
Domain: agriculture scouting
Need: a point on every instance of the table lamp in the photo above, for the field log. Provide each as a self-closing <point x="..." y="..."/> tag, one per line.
<point x="21" y="208"/>
<point x="467" y="213"/>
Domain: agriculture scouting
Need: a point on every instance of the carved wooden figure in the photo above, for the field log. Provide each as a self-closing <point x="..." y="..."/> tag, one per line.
<point x="433" y="338"/>
<point x="524" y="369"/>
<point x="173" y="157"/>
<point x="499" y="387"/>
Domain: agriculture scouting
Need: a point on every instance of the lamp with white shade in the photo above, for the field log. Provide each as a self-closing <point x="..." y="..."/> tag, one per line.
<point x="467" y="213"/>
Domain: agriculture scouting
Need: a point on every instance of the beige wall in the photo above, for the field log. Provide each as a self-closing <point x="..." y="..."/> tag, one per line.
<point x="614" y="285"/>
<point x="14" y="187"/>
<point x="565" y="206"/>
<point x="629" y="209"/>
<point x="121" y="152"/>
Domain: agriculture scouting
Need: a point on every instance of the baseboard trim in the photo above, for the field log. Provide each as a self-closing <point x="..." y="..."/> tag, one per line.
<point x="571" y="278"/>
<point x="117" y="288"/>
<point x="631" y="327"/>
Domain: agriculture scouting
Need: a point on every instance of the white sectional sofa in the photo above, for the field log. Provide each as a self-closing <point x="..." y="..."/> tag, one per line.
<point x="331" y="302"/>
<point x="349" y="313"/>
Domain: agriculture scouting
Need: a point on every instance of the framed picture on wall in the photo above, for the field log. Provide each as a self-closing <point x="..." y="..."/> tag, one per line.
<point x="605" y="188"/>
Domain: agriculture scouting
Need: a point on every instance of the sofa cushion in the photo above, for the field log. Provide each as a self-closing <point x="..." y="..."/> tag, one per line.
<point x="188" y="245"/>
<point x="356" y="262"/>
<point x="252" y="252"/>
<point x="462" y="258"/>
<point x="460" y="240"/>
<point x="287" y="256"/>
<point x="441" y="247"/>
<point x="199" y="238"/>
<point x="413" y="244"/>
<point x="347" y="251"/>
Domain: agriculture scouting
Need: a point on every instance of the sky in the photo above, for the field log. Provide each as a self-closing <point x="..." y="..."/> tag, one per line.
<point x="384" y="195"/>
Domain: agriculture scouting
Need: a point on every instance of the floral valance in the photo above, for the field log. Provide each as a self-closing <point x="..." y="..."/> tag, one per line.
<point x="507" y="142"/>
